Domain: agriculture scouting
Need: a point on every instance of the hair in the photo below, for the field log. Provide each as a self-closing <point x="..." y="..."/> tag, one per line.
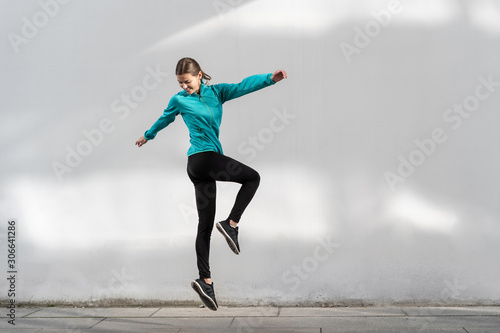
<point x="189" y="65"/>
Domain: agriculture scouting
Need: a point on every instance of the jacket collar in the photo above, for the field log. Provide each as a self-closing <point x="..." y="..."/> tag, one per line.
<point x="202" y="88"/>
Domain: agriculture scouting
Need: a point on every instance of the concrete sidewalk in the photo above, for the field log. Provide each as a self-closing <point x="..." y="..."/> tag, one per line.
<point x="256" y="320"/>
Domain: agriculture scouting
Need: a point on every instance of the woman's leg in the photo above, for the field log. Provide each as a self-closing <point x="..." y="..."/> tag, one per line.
<point x="223" y="168"/>
<point x="204" y="169"/>
<point x="249" y="180"/>
<point x="205" y="195"/>
<point x="205" y="192"/>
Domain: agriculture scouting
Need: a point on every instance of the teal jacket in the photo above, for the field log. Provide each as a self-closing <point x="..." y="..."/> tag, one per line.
<point x="203" y="113"/>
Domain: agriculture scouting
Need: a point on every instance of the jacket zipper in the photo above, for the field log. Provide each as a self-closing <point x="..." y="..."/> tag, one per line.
<point x="211" y="114"/>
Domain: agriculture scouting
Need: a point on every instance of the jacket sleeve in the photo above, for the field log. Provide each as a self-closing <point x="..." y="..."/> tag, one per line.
<point x="229" y="91"/>
<point x="168" y="116"/>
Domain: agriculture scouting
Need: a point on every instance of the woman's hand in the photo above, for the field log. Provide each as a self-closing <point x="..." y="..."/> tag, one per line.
<point x="278" y="75"/>
<point x="141" y="141"/>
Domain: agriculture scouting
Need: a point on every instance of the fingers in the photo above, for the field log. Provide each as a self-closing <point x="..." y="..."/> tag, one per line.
<point x="141" y="142"/>
<point x="279" y="75"/>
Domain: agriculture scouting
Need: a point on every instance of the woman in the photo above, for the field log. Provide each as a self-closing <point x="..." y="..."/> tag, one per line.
<point x="200" y="106"/>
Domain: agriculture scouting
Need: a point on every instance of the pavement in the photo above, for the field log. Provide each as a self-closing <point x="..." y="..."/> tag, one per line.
<point x="485" y="319"/>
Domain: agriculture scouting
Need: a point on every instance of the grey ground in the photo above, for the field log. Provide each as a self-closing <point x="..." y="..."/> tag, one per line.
<point x="255" y="320"/>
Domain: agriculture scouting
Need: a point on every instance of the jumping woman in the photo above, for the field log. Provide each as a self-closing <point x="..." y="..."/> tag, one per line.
<point x="200" y="106"/>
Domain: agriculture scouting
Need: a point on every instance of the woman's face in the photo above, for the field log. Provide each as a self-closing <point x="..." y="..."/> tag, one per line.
<point x="189" y="82"/>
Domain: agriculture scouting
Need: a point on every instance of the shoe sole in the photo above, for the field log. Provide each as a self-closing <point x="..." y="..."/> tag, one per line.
<point x="229" y="241"/>
<point x="209" y="303"/>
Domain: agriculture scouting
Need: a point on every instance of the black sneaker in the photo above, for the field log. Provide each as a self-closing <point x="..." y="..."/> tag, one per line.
<point x="206" y="293"/>
<point x="231" y="235"/>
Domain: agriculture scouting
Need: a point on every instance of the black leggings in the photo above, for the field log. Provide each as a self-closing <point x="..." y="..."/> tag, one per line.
<point x="204" y="169"/>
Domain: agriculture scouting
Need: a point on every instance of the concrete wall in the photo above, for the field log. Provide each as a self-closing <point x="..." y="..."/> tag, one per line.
<point x="379" y="156"/>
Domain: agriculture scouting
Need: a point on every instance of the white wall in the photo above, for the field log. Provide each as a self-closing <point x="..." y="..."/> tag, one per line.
<point x="339" y="217"/>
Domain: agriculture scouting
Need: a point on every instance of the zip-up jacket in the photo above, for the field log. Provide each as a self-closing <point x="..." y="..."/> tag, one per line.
<point x="202" y="113"/>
